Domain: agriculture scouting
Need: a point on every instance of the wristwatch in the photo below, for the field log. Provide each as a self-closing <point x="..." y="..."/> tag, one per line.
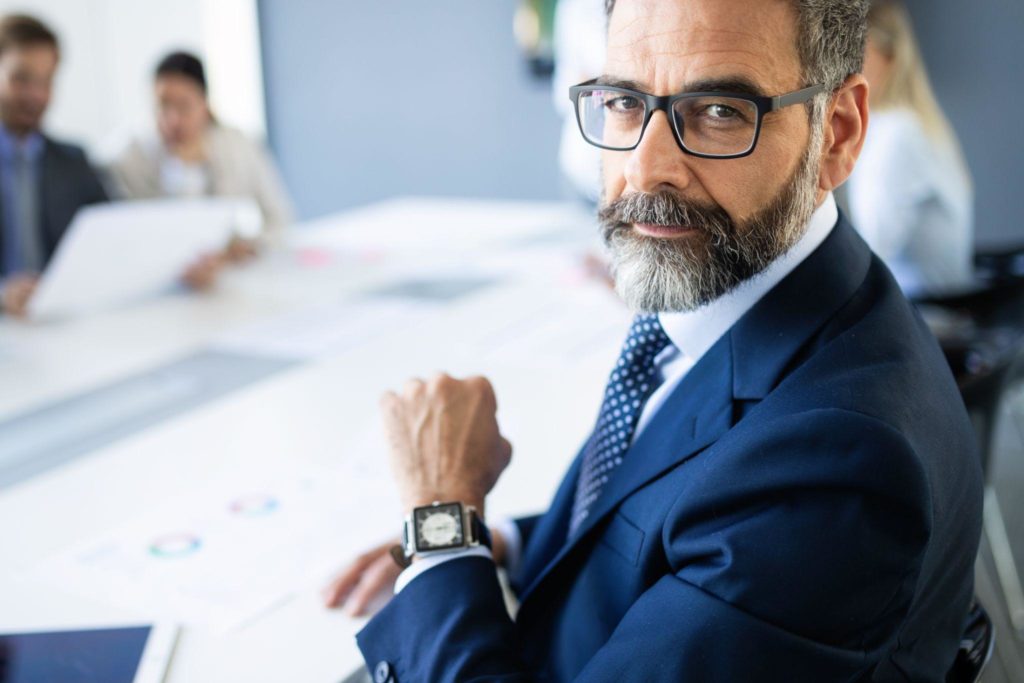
<point x="440" y="528"/>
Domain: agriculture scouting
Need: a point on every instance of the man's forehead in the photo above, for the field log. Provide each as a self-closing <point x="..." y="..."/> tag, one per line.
<point x="666" y="43"/>
<point x="36" y="53"/>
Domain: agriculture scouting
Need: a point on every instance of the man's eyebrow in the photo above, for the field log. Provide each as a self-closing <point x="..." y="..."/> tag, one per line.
<point x="614" y="82"/>
<point x="734" y="84"/>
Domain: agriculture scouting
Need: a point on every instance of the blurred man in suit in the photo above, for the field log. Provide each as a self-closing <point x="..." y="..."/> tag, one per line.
<point x="43" y="182"/>
<point x="782" y="483"/>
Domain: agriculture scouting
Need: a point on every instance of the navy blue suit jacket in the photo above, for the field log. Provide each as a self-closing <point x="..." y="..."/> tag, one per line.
<point x="805" y="506"/>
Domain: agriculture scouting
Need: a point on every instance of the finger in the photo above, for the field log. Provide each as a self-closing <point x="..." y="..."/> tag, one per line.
<point x="486" y="389"/>
<point x="378" y="577"/>
<point x="336" y="591"/>
<point x="388" y="400"/>
<point x="413" y="388"/>
<point x="440" y="382"/>
<point x="390" y="408"/>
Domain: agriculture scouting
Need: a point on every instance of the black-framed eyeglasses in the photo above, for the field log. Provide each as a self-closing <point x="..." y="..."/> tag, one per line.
<point x="712" y="125"/>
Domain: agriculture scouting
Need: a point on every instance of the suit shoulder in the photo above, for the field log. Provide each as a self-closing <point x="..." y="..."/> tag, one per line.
<point x="877" y="357"/>
<point x="65" y="150"/>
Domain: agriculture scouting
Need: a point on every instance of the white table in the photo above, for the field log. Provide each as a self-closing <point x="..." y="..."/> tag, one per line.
<point x="544" y="334"/>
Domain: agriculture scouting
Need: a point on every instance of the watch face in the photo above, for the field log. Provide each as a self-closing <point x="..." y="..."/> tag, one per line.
<point x="439" y="527"/>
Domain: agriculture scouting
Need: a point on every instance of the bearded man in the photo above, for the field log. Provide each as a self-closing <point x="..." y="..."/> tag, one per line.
<point x="782" y="484"/>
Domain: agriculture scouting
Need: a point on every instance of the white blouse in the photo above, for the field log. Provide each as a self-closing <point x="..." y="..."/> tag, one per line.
<point x="910" y="200"/>
<point x="235" y="167"/>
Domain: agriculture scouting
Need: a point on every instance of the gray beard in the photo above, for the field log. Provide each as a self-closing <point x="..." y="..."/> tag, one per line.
<point x="655" y="275"/>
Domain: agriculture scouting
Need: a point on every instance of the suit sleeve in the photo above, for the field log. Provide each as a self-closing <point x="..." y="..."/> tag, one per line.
<point x="793" y="557"/>
<point x="526" y="526"/>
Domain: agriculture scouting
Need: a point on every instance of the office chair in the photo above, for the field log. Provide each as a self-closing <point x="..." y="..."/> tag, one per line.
<point x="976" y="647"/>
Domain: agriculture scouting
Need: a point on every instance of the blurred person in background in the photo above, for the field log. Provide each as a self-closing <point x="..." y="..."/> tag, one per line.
<point x="43" y="182"/>
<point x="194" y="155"/>
<point x="579" y="56"/>
<point x="910" y="195"/>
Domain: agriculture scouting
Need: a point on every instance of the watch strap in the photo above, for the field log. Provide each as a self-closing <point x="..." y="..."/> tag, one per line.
<point x="481" y="534"/>
<point x="398" y="555"/>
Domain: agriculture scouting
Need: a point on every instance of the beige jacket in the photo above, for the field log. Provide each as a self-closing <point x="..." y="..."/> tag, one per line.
<point x="237" y="167"/>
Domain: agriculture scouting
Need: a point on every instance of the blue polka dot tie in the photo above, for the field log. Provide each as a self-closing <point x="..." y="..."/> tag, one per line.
<point x="633" y="380"/>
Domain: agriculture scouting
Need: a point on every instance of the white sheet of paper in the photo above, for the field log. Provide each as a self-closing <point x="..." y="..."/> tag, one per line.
<point x="117" y="253"/>
<point x="220" y="556"/>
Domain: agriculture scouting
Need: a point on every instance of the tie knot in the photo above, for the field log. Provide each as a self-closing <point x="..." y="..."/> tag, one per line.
<point x="646" y="337"/>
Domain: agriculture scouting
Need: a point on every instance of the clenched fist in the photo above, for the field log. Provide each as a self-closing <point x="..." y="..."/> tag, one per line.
<point x="445" y="442"/>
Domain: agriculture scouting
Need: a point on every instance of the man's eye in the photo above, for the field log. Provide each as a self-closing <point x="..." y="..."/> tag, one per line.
<point x="722" y="111"/>
<point x="623" y="104"/>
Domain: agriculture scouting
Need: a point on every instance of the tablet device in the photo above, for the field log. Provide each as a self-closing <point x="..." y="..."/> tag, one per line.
<point x="133" y="654"/>
<point x="124" y="252"/>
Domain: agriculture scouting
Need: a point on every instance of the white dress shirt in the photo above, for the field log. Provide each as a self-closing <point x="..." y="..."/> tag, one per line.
<point x="911" y="200"/>
<point x="692" y="334"/>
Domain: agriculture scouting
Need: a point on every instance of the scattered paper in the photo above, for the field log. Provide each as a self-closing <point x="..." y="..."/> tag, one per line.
<point x="219" y="557"/>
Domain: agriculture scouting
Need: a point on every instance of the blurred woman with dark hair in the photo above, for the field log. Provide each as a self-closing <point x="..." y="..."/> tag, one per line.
<point x="910" y="195"/>
<point x="195" y="155"/>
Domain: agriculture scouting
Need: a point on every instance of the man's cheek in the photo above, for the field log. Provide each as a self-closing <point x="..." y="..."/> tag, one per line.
<point x="612" y="175"/>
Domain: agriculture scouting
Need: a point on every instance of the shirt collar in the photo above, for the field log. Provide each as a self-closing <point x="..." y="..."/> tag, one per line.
<point x="694" y="332"/>
<point x="32" y="144"/>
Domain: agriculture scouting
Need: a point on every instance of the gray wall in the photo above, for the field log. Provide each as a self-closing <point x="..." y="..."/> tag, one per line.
<point x="367" y="100"/>
<point x="975" y="55"/>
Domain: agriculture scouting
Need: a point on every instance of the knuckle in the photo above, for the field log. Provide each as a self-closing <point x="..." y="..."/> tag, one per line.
<point x="440" y="382"/>
<point x="482" y="385"/>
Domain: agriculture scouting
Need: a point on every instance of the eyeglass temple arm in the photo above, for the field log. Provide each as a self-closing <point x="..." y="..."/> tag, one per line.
<point x="797" y="97"/>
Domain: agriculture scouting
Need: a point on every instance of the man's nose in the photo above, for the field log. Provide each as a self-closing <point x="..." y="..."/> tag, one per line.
<point x="658" y="163"/>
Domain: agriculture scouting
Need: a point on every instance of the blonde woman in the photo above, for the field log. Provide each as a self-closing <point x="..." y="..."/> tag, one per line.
<point x="910" y="195"/>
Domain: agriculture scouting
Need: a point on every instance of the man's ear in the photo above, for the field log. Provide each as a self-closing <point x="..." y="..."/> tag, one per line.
<point x="846" y="123"/>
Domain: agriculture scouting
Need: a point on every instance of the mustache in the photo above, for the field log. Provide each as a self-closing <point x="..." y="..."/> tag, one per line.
<point x="664" y="208"/>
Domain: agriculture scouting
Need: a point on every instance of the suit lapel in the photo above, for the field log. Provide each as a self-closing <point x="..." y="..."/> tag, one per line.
<point x="770" y="334"/>
<point x="550" y="533"/>
<point x="696" y="413"/>
<point x="746" y="363"/>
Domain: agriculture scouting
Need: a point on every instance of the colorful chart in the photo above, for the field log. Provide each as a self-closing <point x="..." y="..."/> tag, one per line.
<point x="175" y="545"/>
<point x="255" y="505"/>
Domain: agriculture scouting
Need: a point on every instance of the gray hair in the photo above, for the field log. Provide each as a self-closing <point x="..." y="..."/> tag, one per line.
<point x="830" y="43"/>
